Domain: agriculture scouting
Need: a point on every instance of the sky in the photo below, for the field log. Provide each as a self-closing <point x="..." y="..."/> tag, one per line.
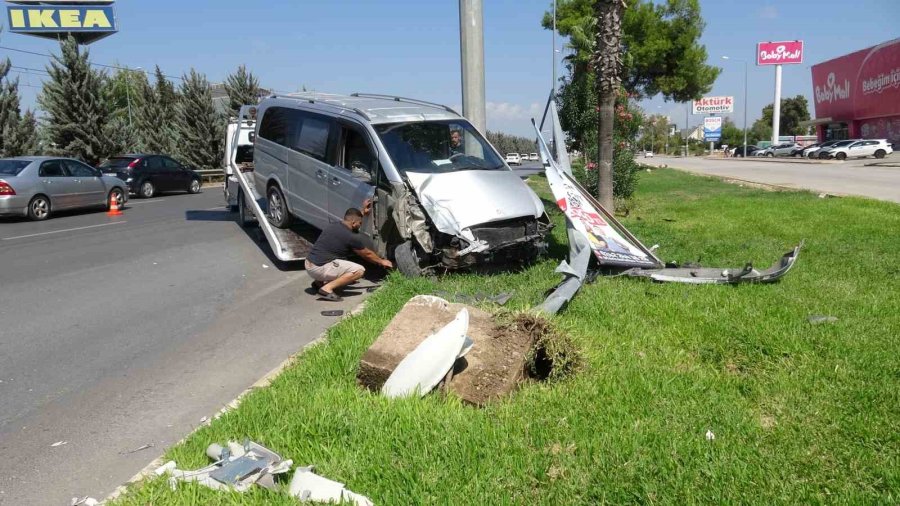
<point x="411" y="47"/>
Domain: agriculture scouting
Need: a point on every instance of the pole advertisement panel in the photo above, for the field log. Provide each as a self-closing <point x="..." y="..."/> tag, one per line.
<point x="787" y="52"/>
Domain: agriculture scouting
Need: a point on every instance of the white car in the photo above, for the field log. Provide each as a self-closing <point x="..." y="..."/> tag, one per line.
<point x="648" y="154"/>
<point x="533" y="157"/>
<point x="513" y="159"/>
<point x="813" y="151"/>
<point x="879" y="148"/>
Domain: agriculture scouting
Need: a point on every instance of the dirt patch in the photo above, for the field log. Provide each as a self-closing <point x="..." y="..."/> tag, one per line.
<point x="502" y="357"/>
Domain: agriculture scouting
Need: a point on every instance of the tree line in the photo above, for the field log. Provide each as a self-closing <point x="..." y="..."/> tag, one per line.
<point x="506" y="143"/>
<point x="91" y="115"/>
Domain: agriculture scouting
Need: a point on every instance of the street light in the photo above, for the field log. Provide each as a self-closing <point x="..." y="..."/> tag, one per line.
<point x="745" y="99"/>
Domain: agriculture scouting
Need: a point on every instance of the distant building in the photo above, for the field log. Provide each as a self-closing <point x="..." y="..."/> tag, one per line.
<point x="858" y="95"/>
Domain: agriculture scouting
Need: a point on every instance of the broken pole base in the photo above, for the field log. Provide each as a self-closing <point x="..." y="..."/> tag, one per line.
<point x="492" y="369"/>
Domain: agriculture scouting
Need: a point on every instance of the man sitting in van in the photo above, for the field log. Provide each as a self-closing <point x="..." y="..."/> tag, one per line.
<point x="327" y="262"/>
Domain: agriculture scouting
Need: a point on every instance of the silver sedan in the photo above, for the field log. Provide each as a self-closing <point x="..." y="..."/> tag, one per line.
<point x="36" y="186"/>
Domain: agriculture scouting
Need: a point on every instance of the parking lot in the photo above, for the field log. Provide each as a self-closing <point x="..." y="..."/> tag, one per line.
<point x="865" y="177"/>
<point x="124" y="331"/>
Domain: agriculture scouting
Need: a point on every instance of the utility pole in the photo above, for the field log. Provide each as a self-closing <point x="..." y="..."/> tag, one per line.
<point x="687" y="116"/>
<point x="746" y="73"/>
<point x="776" y="111"/>
<point x="553" y="58"/>
<point x="471" y="49"/>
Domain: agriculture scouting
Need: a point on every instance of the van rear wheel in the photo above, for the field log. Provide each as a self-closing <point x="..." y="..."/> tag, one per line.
<point x="278" y="213"/>
<point x="408" y="261"/>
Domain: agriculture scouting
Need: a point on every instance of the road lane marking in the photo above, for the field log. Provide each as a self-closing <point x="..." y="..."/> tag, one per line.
<point x="64" y="230"/>
<point x="141" y="202"/>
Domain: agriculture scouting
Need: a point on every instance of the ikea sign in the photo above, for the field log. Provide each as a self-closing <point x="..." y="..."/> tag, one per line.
<point x="86" y="23"/>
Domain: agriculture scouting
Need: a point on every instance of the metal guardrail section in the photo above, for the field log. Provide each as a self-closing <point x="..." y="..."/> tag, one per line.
<point x="287" y="245"/>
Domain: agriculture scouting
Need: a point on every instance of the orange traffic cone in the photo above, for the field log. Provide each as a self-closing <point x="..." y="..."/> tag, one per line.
<point x="113" y="206"/>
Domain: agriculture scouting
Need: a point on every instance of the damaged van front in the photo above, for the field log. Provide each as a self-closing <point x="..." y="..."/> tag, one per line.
<point x="458" y="204"/>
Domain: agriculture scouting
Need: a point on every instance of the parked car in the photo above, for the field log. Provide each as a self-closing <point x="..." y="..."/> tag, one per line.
<point x="648" y="154"/>
<point x="316" y="155"/>
<point x="513" y="159"/>
<point x="533" y="157"/>
<point x="879" y="148"/>
<point x="825" y="153"/>
<point x="778" y="150"/>
<point x="739" y="151"/>
<point x="38" y="186"/>
<point x="811" y="151"/>
<point x="147" y="175"/>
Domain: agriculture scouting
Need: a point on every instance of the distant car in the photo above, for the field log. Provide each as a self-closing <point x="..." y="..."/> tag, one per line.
<point x="825" y="153"/>
<point x="782" y="149"/>
<point x="739" y="151"/>
<point x="513" y="159"/>
<point x="38" y="186"/>
<point x="798" y="149"/>
<point x="147" y="175"/>
<point x="648" y="154"/>
<point x="533" y="157"/>
<point x="811" y="151"/>
<point x="879" y="148"/>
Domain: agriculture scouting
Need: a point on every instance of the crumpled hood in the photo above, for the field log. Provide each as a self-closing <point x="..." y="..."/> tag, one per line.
<point x="456" y="201"/>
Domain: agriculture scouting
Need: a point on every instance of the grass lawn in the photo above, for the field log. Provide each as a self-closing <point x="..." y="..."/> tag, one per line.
<point x="801" y="413"/>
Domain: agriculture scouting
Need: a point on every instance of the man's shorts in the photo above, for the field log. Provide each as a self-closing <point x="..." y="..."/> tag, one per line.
<point x="332" y="270"/>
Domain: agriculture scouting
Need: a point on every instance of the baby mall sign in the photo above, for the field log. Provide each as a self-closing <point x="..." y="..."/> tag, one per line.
<point x="779" y="53"/>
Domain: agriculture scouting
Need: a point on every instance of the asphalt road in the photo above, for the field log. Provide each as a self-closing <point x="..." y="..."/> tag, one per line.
<point x="528" y="169"/>
<point x="121" y="332"/>
<point x="851" y="177"/>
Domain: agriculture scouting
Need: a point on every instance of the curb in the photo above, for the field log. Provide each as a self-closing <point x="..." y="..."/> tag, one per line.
<point x="266" y="380"/>
<point x="773" y="160"/>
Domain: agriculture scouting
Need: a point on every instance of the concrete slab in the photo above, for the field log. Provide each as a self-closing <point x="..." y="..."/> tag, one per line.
<point x="493" y="368"/>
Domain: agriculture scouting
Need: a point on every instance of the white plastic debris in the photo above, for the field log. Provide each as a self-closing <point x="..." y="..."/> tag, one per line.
<point x="255" y="464"/>
<point x="265" y="266"/>
<point x="165" y="468"/>
<point x="309" y="486"/>
<point x="59" y="443"/>
<point x="84" y="501"/>
<point x="709" y="435"/>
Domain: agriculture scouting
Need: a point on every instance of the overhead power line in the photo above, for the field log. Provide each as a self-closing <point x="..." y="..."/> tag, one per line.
<point x="103" y="65"/>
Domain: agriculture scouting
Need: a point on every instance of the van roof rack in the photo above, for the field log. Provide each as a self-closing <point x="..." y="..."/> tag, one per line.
<point x="324" y="104"/>
<point x="403" y="99"/>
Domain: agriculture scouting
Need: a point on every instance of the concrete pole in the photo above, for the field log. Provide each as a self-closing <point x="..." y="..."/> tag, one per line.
<point x="687" y="115"/>
<point x="471" y="49"/>
<point x="776" y="111"/>
<point x="745" y="108"/>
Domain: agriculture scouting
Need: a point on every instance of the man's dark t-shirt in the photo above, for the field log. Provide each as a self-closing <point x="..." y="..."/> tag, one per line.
<point x="337" y="242"/>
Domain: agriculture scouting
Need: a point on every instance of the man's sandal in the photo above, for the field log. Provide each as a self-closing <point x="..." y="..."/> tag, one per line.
<point x="332" y="297"/>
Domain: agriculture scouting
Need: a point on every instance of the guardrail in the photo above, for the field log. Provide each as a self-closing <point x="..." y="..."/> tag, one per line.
<point x="211" y="175"/>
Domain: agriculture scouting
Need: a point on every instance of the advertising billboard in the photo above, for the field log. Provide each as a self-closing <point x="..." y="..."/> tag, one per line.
<point x="860" y="85"/>
<point x="710" y="105"/>
<point x="86" y="22"/>
<point x="785" y="52"/>
<point x="712" y="128"/>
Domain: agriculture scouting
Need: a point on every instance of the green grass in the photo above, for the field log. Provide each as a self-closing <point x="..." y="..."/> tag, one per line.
<point x="801" y="413"/>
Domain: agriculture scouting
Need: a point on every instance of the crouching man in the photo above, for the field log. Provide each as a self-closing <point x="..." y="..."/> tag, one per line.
<point x="327" y="262"/>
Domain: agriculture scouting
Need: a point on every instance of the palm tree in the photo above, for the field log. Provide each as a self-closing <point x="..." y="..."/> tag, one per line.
<point x="607" y="64"/>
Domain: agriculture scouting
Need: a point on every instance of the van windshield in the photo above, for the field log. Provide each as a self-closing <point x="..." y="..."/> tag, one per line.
<point x="437" y="147"/>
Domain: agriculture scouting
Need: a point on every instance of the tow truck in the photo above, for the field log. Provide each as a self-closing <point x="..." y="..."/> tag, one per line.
<point x="242" y="196"/>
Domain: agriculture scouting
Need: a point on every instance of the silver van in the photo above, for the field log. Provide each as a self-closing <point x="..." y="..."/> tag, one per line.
<point x="443" y="198"/>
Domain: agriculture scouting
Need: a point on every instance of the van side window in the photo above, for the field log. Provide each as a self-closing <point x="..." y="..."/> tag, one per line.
<point x="355" y="151"/>
<point x="274" y="125"/>
<point x="313" y="138"/>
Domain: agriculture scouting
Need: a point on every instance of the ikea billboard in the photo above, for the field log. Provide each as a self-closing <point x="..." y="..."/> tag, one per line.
<point x="86" y="22"/>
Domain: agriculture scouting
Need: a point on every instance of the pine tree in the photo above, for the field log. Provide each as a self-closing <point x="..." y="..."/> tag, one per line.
<point x="200" y="129"/>
<point x="242" y="88"/>
<point x="76" y="105"/>
<point x="9" y="110"/>
<point x="27" y="136"/>
<point x="156" y="118"/>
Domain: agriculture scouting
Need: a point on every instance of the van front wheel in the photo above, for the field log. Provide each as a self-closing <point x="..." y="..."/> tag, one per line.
<point x="407" y="258"/>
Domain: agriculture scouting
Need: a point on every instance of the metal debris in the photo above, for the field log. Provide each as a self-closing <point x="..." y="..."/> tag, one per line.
<point x="236" y="467"/>
<point x="140" y="448"/>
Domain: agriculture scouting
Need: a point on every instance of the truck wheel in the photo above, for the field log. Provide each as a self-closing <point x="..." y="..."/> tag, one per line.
<point x="407" y="259"/>
<point x="245" y="218"/>
<point x="278" y="212"/>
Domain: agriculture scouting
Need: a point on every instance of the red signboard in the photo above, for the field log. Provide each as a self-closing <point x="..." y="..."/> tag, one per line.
<point x="779" y="53"/>
<point x="860" y="85"/>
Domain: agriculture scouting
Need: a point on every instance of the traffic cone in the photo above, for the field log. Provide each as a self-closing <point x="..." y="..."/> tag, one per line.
<point x="113" y="206"/>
